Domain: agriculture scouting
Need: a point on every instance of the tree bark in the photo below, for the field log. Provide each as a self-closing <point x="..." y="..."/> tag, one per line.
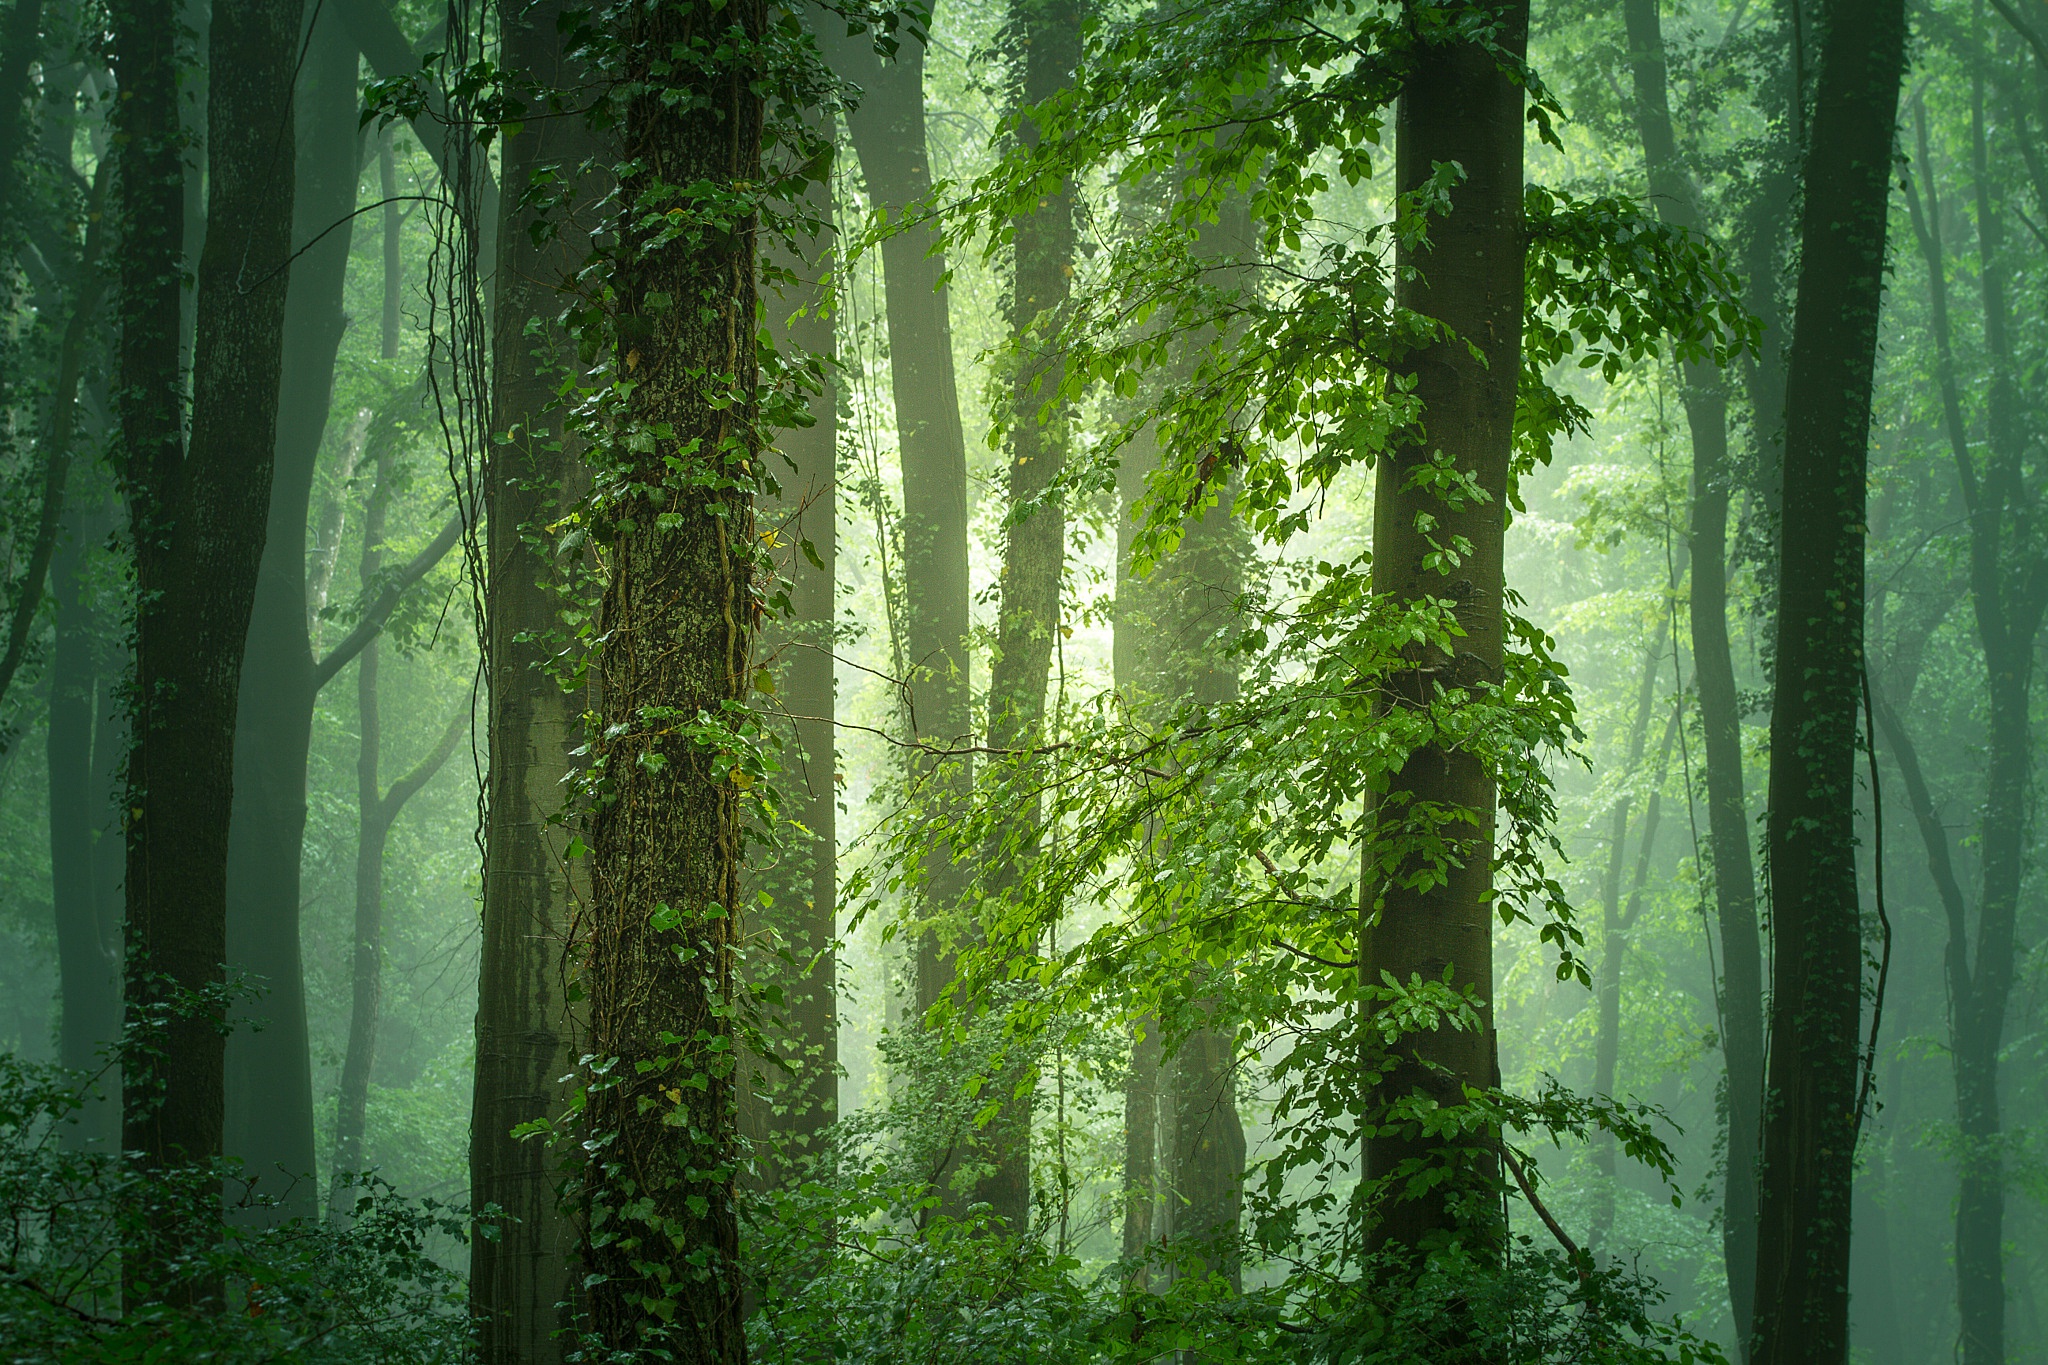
<point x="376" y="812"/>
<point x="1047" y="34"/>
<point x="1706" y="408"/>
<point x="888" y="130"/>
<point x="1614" y="937"/>
<point x="789" y="1104"/>
<point x="82" y="814"/>
<point x="526" y="1030"/>
<point x="2008" y="591"/>
<point x="1811" y="1100"/>
<point x="198" y="520"/>
<point x="675" y="511"/>
<point x="269" y="1067"/>
<point x="1458" y="104"/>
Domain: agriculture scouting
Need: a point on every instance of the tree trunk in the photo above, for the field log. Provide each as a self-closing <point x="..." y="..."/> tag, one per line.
<point x="525" y="1039"/>
<point x="1706" y="411"/>
<point x="676" y="515"/>
<point x="2008" y="599"/>
<point x="1614" y="937"/>
<point x="788" y="1104"/>
<point x="1047" y="34"/>
<point x="1141" y="1146"/>
<point x="1457" y="105"/>
<point x="269" y="1067"/>
<point x="1810" y="1111"/>
<point x="82" y="813"/>
<point x="198" y="518"/>
<point x="888" y="131"/>
<point x="376" y="812"/>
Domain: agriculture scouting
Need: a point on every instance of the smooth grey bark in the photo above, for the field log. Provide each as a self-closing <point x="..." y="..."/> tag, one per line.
<point x="1457" y="105"/>
<point x="269" y="1077"/>
<point x="1047" y="36"/>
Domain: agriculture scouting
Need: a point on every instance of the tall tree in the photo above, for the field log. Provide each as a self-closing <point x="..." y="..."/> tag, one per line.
<point x="1616" y="924"/>
<point x="888" y="131"/>
<point x="1047" y="37"/>
<point x="524" y="1025"/>
<point x="198" y="517"/>
<point x="84" y="816"/>
<point x="1461" y="102"/>
<point x="270" y="1076"/>
<point x="1677" y="200"/>
<point x="674" y="508"/>
<point x="2008" y="579"/>
<point x="377" y="810"/>
<point x="1811" y="1100"/>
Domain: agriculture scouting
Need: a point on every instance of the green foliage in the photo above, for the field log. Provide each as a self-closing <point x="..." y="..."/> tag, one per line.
<point x="368" y="1293"/>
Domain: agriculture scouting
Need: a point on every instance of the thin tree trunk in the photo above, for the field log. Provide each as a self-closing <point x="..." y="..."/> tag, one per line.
<point x="1048" y="35"/>
<point x="88" y="959"/>
<point x="525" y="1029"/>
<point x="269" y="1066"/>
<point x="1458" y="105"/>
<point x="661" y="1252"/>
<point x="1141" y="1146"/>
<point x="1816" y="998"/>
<point x="888" y="131"/>
<point x="1617" y="924"/>
<point x="376" y="812"/>
<point x="2009" y="593"/>
<point x="1606" y="1037"/>
<point x="61" y="435"/>
<point x="1706" y="409"/>
<point x="198" y="518"/>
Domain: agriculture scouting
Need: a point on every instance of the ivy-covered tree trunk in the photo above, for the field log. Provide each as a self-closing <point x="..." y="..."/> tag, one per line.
<point x="1676" y="199"/>
<point x="198" y="518"/>
<point x="789" y="1102"/>
<point x="269" y="1066"/>
<point x="525" y="1029"/>
<point x="673" y="753"/>
<point x="1457" y="105"/>
<point x="1810" y="1112"/>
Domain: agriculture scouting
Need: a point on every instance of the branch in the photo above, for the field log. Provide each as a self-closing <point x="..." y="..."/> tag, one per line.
<point x="407" y="787"/>
<point x="380" y="610"/>
<point x="1935" y="836"/>
<point x="92" y="286"/>
<point x="1572" y="1250"/>
<point x="2024" y="29"/>
<point x="376" y="34"/>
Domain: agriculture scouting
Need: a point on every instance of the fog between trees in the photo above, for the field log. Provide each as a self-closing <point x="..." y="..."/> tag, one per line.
<point x="1030" y="681"/>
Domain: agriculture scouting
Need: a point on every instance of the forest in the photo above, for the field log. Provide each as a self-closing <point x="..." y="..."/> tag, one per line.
<point x="1023" y="682"/>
